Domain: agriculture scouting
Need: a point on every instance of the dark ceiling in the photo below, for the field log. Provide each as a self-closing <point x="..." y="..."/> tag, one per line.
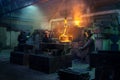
<point x="51" y="8"/>
<point x="7" y="6"/>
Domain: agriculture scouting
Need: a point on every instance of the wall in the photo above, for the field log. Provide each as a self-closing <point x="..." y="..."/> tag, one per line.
<point x="12" y="39"/>
<point x="2" y="37"/>
<point x="8" y="39"/>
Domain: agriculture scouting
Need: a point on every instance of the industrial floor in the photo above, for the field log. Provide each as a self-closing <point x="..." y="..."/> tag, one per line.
<point x="17" y="72"/>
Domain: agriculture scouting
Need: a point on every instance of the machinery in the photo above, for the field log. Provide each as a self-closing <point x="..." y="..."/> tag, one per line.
<point x="107" y="43"/>
<point x="106" y="29"/>
<point x="106" y="64"/>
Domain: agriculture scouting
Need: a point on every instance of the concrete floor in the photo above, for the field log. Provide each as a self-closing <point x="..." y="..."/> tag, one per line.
<point x="17" y="72"/>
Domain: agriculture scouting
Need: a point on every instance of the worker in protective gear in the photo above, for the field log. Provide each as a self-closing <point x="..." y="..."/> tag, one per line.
<point x="90" y="42"/>
<point x="89" y="45"/>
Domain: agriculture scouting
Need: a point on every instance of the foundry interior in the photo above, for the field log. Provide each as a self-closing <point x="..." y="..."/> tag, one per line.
<point x="59" y="39"/>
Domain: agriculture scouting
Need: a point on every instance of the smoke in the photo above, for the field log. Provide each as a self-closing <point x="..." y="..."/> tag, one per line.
<point x="35" y="16"/>
<point x="79" y="8"/>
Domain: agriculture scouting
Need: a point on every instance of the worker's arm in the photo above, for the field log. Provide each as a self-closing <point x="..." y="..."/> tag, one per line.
<point x="88" y="43"/>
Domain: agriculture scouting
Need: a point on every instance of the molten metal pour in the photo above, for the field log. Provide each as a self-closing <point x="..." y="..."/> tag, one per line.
<point x="65" y="37"/>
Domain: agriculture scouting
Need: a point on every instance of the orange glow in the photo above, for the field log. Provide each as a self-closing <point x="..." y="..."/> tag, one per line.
<point x="77" y="23"/>
<point x="77" y="20"/>
<point x="65" y="21"/>
<point x="78" y="11"/>
<point x="65" y="37"/>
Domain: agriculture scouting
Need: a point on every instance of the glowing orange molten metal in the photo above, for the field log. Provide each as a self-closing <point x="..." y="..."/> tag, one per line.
<point x="65" y="37"/>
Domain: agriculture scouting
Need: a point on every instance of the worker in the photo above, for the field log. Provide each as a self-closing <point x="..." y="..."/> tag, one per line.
<point x="46" y="37"/>
<point x="30" y="44"/>
<point x="36" y="41"/>
<point x="89" y="45"/>
<point x="22" y="40"/>
<point x="89" y="41"/>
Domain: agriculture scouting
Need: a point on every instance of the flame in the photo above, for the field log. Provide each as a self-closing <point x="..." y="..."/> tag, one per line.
<point x="78" y="12"/>
<point x="77" y="22"/>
